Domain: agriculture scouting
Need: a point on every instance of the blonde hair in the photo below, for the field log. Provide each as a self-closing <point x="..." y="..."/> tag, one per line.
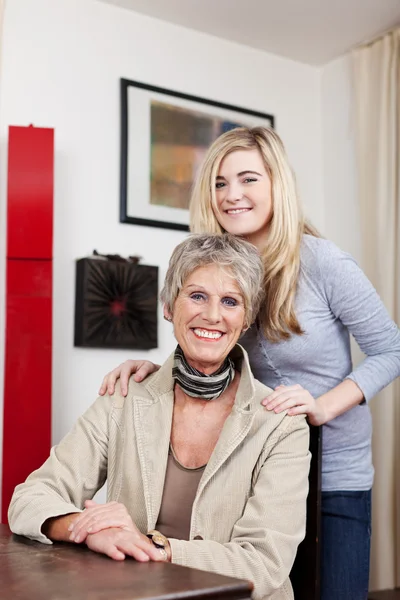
<point x="281" y="254"/>
<point x="240" y="258"/>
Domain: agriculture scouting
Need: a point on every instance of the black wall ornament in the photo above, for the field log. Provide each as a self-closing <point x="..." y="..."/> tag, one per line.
<point x="115" y="303"/>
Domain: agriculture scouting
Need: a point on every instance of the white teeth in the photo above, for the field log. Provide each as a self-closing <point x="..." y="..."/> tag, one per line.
<point x="236" y="211"/>
<point x="215" y="335"/>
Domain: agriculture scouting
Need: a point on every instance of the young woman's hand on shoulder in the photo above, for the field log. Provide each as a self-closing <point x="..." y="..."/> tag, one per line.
<point x="297" y="401"/>
<point x="140" y="368"/>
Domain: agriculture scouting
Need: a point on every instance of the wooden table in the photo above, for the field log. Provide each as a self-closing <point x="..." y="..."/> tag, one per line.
<point x="385" y="595"/>
<point x="34" y="571"/>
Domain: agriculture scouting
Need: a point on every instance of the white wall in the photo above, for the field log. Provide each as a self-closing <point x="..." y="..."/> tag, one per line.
<point x="61" y="65"/>
<point x="342" y="216"/>
<point x="339" y="172"/>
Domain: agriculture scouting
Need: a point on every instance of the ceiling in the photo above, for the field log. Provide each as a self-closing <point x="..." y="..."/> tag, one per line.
<point x="309" y="31"/>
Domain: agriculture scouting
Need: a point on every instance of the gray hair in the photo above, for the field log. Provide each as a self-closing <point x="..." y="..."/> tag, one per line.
<point x="226" y="250"/>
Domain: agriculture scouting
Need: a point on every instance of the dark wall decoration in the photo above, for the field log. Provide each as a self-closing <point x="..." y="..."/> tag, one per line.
<point x="116" y="303"/>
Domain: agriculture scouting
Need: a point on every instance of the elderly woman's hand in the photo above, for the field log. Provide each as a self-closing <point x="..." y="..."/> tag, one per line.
<point x="97" y="517"/>
<point x="141" y="369"/>
<point x="297" y="401"/>
<point x="118" y="543"/>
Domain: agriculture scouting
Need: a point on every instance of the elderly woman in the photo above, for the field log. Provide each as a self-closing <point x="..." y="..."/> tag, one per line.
<point x="198" y="472"/>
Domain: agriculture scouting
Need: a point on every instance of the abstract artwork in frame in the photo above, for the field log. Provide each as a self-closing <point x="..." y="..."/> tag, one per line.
<point x="164" y="137"/>
<point x="116" y="304"/>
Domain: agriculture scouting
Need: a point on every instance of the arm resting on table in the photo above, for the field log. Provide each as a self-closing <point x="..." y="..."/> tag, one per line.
<point x="75" y="470"/>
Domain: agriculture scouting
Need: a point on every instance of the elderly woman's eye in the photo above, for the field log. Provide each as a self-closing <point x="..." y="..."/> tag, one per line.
<point x="230" y="301"/>
<point x="197" y="296"/>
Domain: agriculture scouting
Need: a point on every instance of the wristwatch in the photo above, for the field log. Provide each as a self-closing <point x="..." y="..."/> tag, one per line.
<point x="160" y="542"/>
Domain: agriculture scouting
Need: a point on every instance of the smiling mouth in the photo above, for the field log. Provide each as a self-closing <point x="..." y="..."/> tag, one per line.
<point x="237" y="211"/>
<point x="207" y="334"/>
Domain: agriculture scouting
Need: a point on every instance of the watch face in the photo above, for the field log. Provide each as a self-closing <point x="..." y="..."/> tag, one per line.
<point x="159" y="540"/>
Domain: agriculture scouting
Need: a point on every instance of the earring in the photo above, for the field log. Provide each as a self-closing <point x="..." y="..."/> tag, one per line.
<point x="168" y="319"/>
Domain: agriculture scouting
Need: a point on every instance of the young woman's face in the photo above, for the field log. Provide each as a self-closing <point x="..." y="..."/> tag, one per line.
<point x="243" y="194"/>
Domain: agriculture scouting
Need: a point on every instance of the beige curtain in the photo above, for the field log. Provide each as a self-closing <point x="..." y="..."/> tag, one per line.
<point x="377" y="118"/>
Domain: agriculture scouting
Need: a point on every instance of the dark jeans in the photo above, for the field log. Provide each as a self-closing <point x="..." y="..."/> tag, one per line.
<point x="345" y="542"/>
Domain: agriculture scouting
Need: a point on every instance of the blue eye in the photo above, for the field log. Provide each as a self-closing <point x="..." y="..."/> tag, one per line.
<point x="250" y="180"/>
<point x="197" y="296"/>
<point x="219" y="185"/>
<point x="230" y="301"/>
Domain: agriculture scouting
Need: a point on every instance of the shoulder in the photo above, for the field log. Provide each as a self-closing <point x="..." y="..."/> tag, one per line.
<point x="320" y="250"/>
<point x="278" y="424"/>
<point x="322" y="258"/>
<point x="261" y="390"/>
<point x="136" y="391"/>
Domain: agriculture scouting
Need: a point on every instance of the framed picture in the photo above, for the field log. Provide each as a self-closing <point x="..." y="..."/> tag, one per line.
<point x="164" y="137"/>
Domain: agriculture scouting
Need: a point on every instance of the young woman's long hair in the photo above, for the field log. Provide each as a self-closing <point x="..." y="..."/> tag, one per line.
<point x="281" y="254"/>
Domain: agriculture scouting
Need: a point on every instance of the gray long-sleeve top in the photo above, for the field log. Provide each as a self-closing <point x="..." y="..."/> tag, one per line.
<point x="334" y="298"/>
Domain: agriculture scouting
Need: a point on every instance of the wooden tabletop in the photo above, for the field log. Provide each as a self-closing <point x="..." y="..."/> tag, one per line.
<point x="385" y="595"/>
<point x="30" y="570"/>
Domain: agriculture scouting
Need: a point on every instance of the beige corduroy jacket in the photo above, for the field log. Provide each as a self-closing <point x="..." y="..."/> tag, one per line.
<point x="249" y="513"/>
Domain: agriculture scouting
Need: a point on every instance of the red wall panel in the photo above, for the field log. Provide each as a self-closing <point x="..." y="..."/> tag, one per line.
<point x="28" y="351"/>
<point x="30" y="193"/>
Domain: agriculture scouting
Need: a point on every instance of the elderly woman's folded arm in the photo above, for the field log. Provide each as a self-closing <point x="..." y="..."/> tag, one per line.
<point x="75" y="470"/>
<point x="264" y="540"/>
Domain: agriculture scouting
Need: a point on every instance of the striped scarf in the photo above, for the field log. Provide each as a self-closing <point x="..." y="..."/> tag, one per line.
<point x="197" y="384"/>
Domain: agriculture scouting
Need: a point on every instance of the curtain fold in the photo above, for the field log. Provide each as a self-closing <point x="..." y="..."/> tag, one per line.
<point x="376" y="82"/>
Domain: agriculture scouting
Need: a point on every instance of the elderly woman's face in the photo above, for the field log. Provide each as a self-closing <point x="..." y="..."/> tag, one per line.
<point x="208" y="317"/>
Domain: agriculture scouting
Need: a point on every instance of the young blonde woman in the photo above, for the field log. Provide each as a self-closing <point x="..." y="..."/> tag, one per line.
<point x="316" y="296"/>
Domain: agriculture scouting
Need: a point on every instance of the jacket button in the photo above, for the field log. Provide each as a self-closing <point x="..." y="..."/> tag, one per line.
<point x="197" y="537"/>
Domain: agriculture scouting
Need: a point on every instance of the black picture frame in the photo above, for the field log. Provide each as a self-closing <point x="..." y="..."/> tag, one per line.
<point x="127" y="214"/>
